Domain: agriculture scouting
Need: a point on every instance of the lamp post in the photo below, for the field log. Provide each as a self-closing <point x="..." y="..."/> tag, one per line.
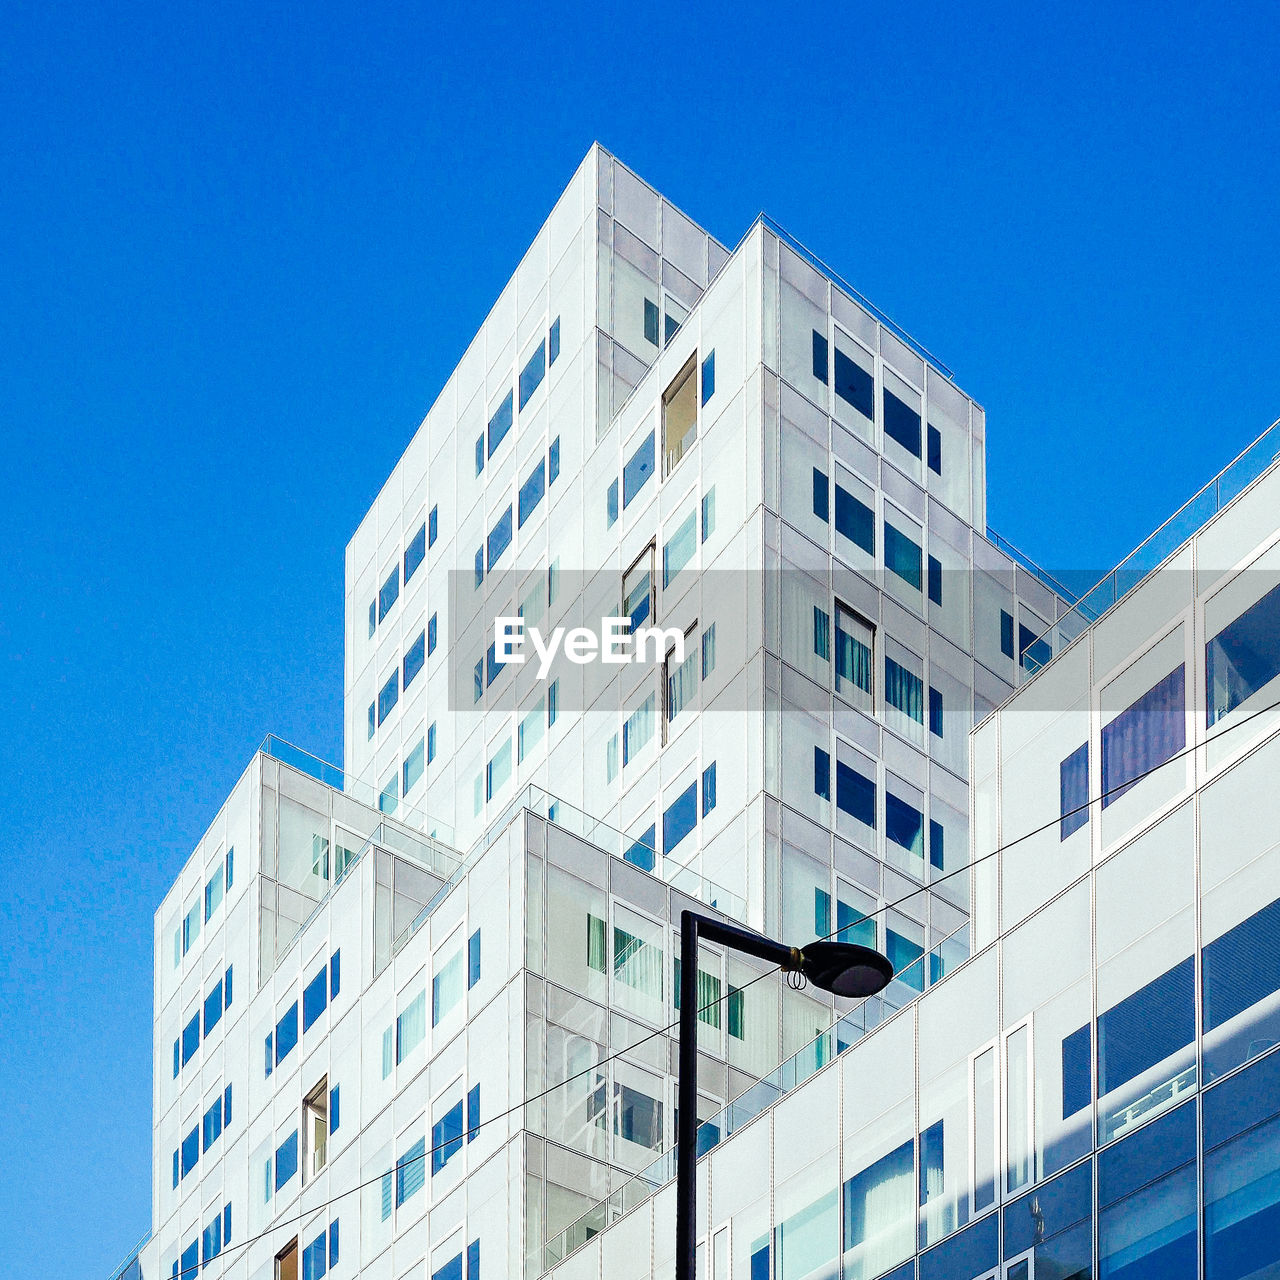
<point x="840" y="967"/>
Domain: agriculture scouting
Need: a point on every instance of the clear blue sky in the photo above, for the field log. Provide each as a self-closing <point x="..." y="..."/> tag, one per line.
<point x="241" y="250"/>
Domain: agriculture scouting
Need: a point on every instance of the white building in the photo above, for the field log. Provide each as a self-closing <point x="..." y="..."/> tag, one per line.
<point x="360" y="973"/>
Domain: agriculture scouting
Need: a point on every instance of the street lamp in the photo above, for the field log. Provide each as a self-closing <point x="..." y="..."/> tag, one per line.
<point x="840" y="967"/>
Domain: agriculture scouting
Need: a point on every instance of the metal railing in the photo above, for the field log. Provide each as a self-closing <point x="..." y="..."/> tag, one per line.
<point x="1037" y="571"/>
<point x="1249" y="465"/>
<point x="131" y="1258"/>
<point x="826" y="1046"/>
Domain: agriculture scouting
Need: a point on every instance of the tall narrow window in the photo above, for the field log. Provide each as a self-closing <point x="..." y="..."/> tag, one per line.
<point x="315" y="1129"/>
<point x="854" y="639"/>
<point x="389" y="593"/>
<point x="415" y="552"/>
<point x="821" y="495"/>
<point x="532" y="374"/>
<point x="708" y="376"/>
<point x="500" y="422"/>
<point x="680" y="415"/>
<point x="819" y="356"/>
<point x="638" y="469"/>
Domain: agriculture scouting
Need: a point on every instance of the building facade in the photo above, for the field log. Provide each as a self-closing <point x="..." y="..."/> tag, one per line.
<point x="415" y="1018"/>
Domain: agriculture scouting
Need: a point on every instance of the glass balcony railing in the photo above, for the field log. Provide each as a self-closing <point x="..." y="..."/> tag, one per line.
<point x="367" y="794"/>
<point x="598" y="833"/>
<point x="1153" y="551"/>
<point x="855" y="1024"/>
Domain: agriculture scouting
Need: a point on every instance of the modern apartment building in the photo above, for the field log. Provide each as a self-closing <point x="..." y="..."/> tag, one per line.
<point x="362" y="975"/>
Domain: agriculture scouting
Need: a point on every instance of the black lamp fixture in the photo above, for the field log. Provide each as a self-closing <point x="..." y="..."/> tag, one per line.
<point x="844" y="968"/>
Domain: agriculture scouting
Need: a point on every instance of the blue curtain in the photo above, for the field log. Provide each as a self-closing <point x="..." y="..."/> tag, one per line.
<point x="1145" y="735"/>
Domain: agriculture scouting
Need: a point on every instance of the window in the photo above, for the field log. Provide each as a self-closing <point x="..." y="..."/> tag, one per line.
<point x="191" y="927"/>
<point x="473" y="959"/>
<point x="373" y="718"/>
<point x="446" y="1137"/>
<point x="819" y="356"/>
<point x="433" y="526"/>
<point x="230" y="865"/>
<point x="708" y="788"/>
<point x="708" y="650"/>
<point x="679" y="818"/>
<point x="1006" y="633"/>
<point x="640" y="854"/>
<point x="411" y="1026"/>
<point x="1073" y="775"/>
<point x="315" y="1258"/>
<point x="286" y="1160"/>
<point x="415" y="658"/>
<point x="902" y="555"/>
<point x="315" y="999"/>
<point x="213" y="1007"/>
<point x="675" y="317"/>
<point x="499" y="538"/>
<point x="473" y="1112"/>
<point x="213" y="893"/>
<point x="388" y="696"/>
<point x="1033" y="652"/>
<point x="315" y="1128"/>
<point x="638" y="469"/>
<point x="287" y="1033"/>
<point x="611" y="505"/>
<point x="822" y="773"/>
<point x="431" y="742"/>
<point x="855" y="520"/>
<point x="411" y="1174"/>
<point x="190" y="1150"/>
<point x="936" y="719"/>
<point x="531" y="375"/>
<point x="553" y="461"/>
<point x="1144" y="736"/>
<point x="373" y="617"/>
<point x="1243" y="658"/>
<point x="1242" y="1172"/>
<point x="855" y="385"/>
<point x="532" y="491"/>
<point x="880" y="1213"/>
<point x="854" y="638"/>
<point x="553" y="699"/>
<point x="637" y="729"/>
<point x="415" y="552"/>
<point x="682" y="682"/>
<point x="389" y="796"/>
<point x="935" y="450"/>
<point x="637" y="591"/>
<point x="903" y="690"/>
<point x="651" y="322"/>
<point x="447" y="988"/>
<point x="553" y="341"/>
<point x="708" y="376"/>
<point x="431" y="635"/>
<point x="389" y="593"/>
<point x="821" y="633"/>
<point x="901" y="422"/>
<point x="499" y="425"/>
<point x="855" y="794"/>
<point x="708" y="513"/>
<point x="414" y="765"/>
<point x="821" y="495"/>
<point x="679" y="550"/>
<point x="904" y="824"/>
<point x="1147" y="1201"/>
<point x="935" y="580"/>
<point x="190" y="1038"/>
<point x="498" y="770"/>
<point x="679" y="415"/>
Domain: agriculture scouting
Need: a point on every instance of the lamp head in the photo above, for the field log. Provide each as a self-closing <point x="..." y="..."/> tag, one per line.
<point x="845" y="968"/>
